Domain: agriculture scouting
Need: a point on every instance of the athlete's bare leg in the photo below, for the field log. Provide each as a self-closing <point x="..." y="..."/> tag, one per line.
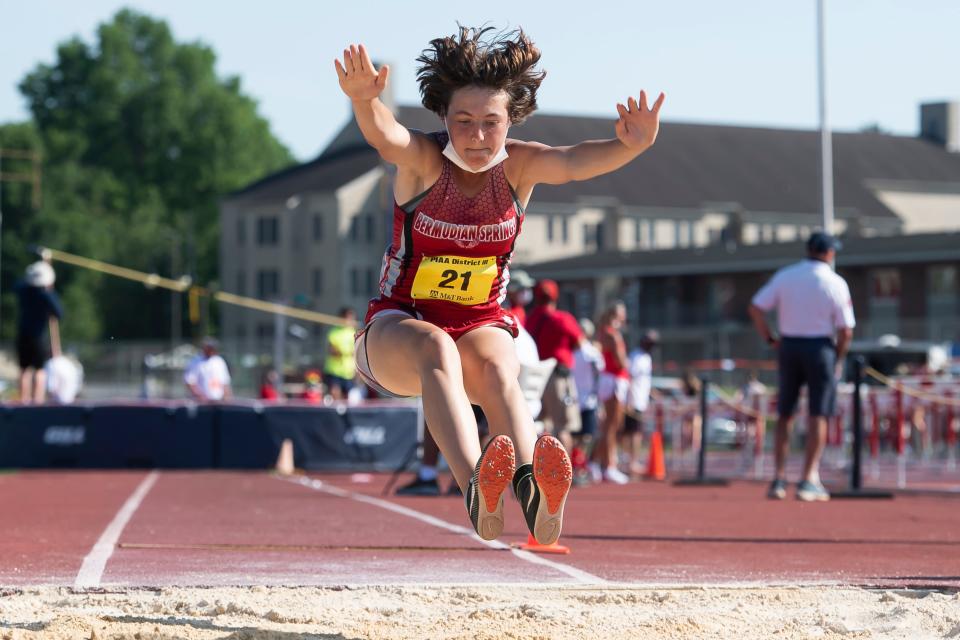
<point x="490" y="371"/>
<point x="610" y="427"/>
<point x="26" y="385"/>
<point x="414" y="358"/>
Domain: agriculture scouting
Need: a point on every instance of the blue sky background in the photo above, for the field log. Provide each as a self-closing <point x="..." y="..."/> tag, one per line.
<point x="745" y="62"/>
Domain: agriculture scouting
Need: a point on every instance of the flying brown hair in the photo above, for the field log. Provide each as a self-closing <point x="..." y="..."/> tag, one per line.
<point x="504" y="62"/>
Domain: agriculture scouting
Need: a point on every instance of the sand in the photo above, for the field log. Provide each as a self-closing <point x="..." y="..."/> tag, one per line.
<point x="389" y="612"/>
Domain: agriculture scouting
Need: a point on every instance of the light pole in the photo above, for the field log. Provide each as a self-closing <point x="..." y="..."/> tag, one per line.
<point x="826" y="148"/>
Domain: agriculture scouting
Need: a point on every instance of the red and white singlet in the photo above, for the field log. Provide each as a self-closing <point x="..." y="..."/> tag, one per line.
<point x="449" y="256"/>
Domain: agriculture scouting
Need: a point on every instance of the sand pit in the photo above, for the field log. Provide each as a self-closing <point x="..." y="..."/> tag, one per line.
<point x="393" y="612"/>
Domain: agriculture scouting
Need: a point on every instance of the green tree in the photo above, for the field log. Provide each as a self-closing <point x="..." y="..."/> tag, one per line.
<point x="140" y="139"/>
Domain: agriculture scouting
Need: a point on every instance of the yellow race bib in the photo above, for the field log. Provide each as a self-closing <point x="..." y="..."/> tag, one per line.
<point x="465" y="281"/>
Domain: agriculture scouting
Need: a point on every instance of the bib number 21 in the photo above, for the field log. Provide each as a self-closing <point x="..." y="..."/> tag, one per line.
<point x="456" y="279"/>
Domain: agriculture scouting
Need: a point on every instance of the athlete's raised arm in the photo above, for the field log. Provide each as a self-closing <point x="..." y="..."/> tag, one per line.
<point x="363" y="84"/>
<point x="636" y="131"/>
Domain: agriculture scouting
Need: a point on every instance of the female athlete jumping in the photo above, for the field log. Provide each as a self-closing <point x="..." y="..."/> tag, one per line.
<point x="436" y="329"/>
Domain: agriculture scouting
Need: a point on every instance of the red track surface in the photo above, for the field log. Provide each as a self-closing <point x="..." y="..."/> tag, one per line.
<point x="222" y="528"/>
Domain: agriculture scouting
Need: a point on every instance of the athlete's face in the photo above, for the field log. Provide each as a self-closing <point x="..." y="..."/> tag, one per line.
<point x="478" y="123"/>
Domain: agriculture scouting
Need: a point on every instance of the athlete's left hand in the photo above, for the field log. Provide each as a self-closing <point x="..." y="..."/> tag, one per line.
<point x="638" y="124"/>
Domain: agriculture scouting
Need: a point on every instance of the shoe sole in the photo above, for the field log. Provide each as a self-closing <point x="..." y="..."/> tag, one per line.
<point x="812" y="497"/>
<point x="777" y="495"/>
<point x="554" y="475"/>
<point x="494" y="473"/>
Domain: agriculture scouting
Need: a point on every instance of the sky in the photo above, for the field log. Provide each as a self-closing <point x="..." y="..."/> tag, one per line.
<point x="740" y="62"/>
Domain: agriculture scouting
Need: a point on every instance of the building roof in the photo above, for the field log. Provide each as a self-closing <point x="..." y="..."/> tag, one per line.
<point x="326" y="173"/>
<point x="762" y="169"/>
<point x="718" y="259"/>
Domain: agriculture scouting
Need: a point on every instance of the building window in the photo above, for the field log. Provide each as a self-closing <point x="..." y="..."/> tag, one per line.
<point x="316" y="285"/>
<point x="564" y="230"/>
<point x="241" y="231"/>
<point x="550" y="229"/>
<point x="268" y="230"/>
<point x="268" y="284"/>
<point x="651" y="234"/>
<point x="370" y="282"/>
<point x="371" y="228"/>
<point x="241" y="283"/>
<point x="593" y="236"/>
<point x="884" y="302"/>
<point x="943" y="302"/>
<point x="354" y="228"/>
<point x="885" y="284"/>
<point x="943" y="280"/>
<point x="317" y="227"/>
<point x="355" y="281"/>
<point x="638" y="233"/>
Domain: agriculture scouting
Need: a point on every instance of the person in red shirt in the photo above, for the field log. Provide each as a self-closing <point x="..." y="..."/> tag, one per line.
<point x="436" y="328"/>
<point x="312" y="387"/>
<point x="558" y="335"/>
<point x="612" y="391"/>
<point x="269" y="386"/>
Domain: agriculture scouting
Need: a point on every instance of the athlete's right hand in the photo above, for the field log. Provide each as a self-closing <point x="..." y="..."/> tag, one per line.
<point x="358" y="77"/>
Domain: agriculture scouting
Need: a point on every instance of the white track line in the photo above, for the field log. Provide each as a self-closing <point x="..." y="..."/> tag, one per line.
<point x="96" y="561"/>
<point x="581" y="577"/>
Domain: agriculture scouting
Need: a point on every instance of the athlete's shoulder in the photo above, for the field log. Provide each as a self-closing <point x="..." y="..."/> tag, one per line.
<point x="523" y="148"/>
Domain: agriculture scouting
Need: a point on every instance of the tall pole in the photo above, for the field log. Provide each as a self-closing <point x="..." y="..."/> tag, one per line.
<point x="826" y="145"/>
<point x="1" y="241"/>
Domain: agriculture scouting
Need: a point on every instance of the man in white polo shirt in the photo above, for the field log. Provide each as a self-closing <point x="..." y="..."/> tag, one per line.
<point x="207" y="376"/>
<point x="815" y="317"/>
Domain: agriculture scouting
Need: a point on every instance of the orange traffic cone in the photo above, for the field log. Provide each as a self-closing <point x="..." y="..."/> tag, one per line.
<point x="284" y="466"/>
<point x="656" y="469"/>
<point x="532" y="545"/>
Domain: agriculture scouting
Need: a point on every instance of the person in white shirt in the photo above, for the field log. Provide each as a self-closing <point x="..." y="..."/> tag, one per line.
<point x="640" y="367"/>
<point x="587" y="366"/>
<point x="64" y="379"/>
<point x="207" y="376"/>
<point x="815" y="318"/>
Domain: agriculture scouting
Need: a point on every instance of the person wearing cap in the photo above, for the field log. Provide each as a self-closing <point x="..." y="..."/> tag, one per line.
<point x="640" y="368"/>
<point x="39" y="311"/>
<point x="207" y="376"/>
<point x="558" y="336"/>
<point x="815" y="318"/>
<point x="519" y="295"/>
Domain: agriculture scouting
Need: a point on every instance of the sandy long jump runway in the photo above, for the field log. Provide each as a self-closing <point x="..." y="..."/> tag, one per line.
<point x="222" y="554"/>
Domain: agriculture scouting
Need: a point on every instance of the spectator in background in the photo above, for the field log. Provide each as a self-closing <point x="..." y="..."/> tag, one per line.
<point x="751" y="390"/>
<point x="519" y="295"/>
<point x="312" y="387"/>
<point x="207" y="376"/>
<point x="270" y="386"/>
<point x="587" y="365"/>
<point x="691" y="422"/>
<point x="815" y="315"/>
<point x="640" y="368"/>
<point x="557" y="335"/>
<point x="64" y="378"/>
<point x="37" y="329"/>
<point x="339" y="369"/>
<point x="612" y="393"/>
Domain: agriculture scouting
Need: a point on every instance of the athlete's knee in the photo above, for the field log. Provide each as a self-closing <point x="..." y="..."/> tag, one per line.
<point x="499" y="374"/>
<point x="437" y="350"/>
